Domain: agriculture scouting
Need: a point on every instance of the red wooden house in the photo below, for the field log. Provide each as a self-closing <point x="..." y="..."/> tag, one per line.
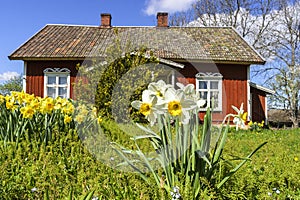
<point x="216" y="59"/>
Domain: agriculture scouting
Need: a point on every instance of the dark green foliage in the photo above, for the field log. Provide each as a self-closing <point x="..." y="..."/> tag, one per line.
<point x="115" y="90"/>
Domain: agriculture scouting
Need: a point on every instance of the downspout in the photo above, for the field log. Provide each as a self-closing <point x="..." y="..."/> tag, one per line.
<point x="24" y="76"/>
<point x="249" y="103"/>
<point x="266" y="110"/>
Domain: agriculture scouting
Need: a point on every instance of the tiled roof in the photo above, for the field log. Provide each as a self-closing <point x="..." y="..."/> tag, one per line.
<point x="216" y="44"/>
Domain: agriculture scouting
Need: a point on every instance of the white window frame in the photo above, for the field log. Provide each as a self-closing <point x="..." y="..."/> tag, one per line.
<point x="210" y="77"/>
<point x="56" y="72"/>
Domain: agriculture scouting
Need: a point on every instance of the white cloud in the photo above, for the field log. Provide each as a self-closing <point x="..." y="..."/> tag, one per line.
<point x="8" y="75"/>
<point x="170" y="6"/>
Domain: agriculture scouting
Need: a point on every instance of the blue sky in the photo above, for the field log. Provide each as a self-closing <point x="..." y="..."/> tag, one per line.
<point x="21" y="19"/>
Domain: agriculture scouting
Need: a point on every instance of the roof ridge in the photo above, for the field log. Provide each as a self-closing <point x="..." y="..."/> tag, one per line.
<point x="71" y="25"/>
<point x="127" y="26"/>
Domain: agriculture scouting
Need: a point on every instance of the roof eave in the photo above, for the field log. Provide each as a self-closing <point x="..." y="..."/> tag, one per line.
<point x="264" y="89"/>
<point x="50" y="58"/>
<point x="243" y="62"/>
<point x="172" y="59"/>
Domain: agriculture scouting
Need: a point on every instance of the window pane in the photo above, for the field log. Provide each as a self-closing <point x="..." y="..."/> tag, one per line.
<point x="202" y="84"/>
<point x="214" y="96"/>
<point x="51" y="92"/>
<point x="62" y="92"/>
<point x="51" y="80"/>
<point x="214" y="85"/>
<point x="203" y="95"/>
<point x="62" y="80"/>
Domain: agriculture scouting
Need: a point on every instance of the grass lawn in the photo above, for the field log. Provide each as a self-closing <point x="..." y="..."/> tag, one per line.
<point x="65" y="165"/>
<point x="273" y="172"/>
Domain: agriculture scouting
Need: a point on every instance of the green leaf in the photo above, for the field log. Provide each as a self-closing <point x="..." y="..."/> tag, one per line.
<point x="203" y="155"/>
<point x="88" y="196"/>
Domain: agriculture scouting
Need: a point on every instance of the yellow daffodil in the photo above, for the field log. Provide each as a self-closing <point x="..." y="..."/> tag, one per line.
<point x="94" y="112"/>
<point x="47" y="105"/>
<point x="29" y="98"/>
<point x="35" y="104"/>
<point x="67" y="119"/>
<point x="79" y="118"/>
<point x="2" y="99"/>
<point x="68" y="109"/>
<point x="10" y="105"/>
<point x="20" y="96"/>
<point x="250" y="123"/>
<point x="99" y="119"/>
<point x="27" y="112"/>
<point x="60" y="103"/>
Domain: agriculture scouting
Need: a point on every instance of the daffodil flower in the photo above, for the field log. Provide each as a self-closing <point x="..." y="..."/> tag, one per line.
<point x="177" y="105"/>
<point x="27" y="112"/>
<point x="240" y="118"/>
<point x="190" y="92"/>
<point x="67" y="119"/>
<point x="159" y="89"/>
<point x="147" y="106"/>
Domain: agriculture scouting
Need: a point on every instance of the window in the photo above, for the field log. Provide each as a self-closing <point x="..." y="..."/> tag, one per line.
<point x="209" y="86"/>
<point x="57" y="82"/>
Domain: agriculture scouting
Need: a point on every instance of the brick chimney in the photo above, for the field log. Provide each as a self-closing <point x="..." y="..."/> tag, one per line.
<point x="105" y="20"/>
<point x="162" y="19"/>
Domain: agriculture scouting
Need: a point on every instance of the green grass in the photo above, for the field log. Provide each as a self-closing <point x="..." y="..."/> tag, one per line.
<point x="276" y="165"/>
<point x="66" y="164"/>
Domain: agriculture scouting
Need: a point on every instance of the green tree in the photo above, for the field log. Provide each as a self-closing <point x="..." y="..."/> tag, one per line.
<point x="13" y="84"/>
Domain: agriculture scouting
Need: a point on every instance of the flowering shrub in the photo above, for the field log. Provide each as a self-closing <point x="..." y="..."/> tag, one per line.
<point x="189" y="159"/>
<point x="26" y="116"/>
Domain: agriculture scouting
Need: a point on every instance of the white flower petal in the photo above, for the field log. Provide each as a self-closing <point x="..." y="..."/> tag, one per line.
<point x="136" y="104"/>
<point x="180" y="85"/>
<point x="235" y="109"/>
<point x="201" y="103"/>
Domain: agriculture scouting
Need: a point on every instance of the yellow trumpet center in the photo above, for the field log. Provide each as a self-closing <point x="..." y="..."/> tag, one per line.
<point x="174" y="108"/>
<point x="159" y="94"/>
<point x="145" y="108"/>
<point x="244" y="116"/>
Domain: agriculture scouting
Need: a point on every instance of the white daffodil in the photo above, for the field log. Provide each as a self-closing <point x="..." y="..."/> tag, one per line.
<point x="190" y="92"/>
<point x="158" y="89"/>
<point x="241" y="117"/>
<point x="147" y="106"/>
<point x="177" y="105"/>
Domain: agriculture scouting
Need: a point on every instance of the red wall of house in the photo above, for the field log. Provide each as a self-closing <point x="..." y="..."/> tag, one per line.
<point x="35" y="74"/>
<point x="234" y="84"/>
<point x="258" y="105"/>
<point x="234" y="81"/>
